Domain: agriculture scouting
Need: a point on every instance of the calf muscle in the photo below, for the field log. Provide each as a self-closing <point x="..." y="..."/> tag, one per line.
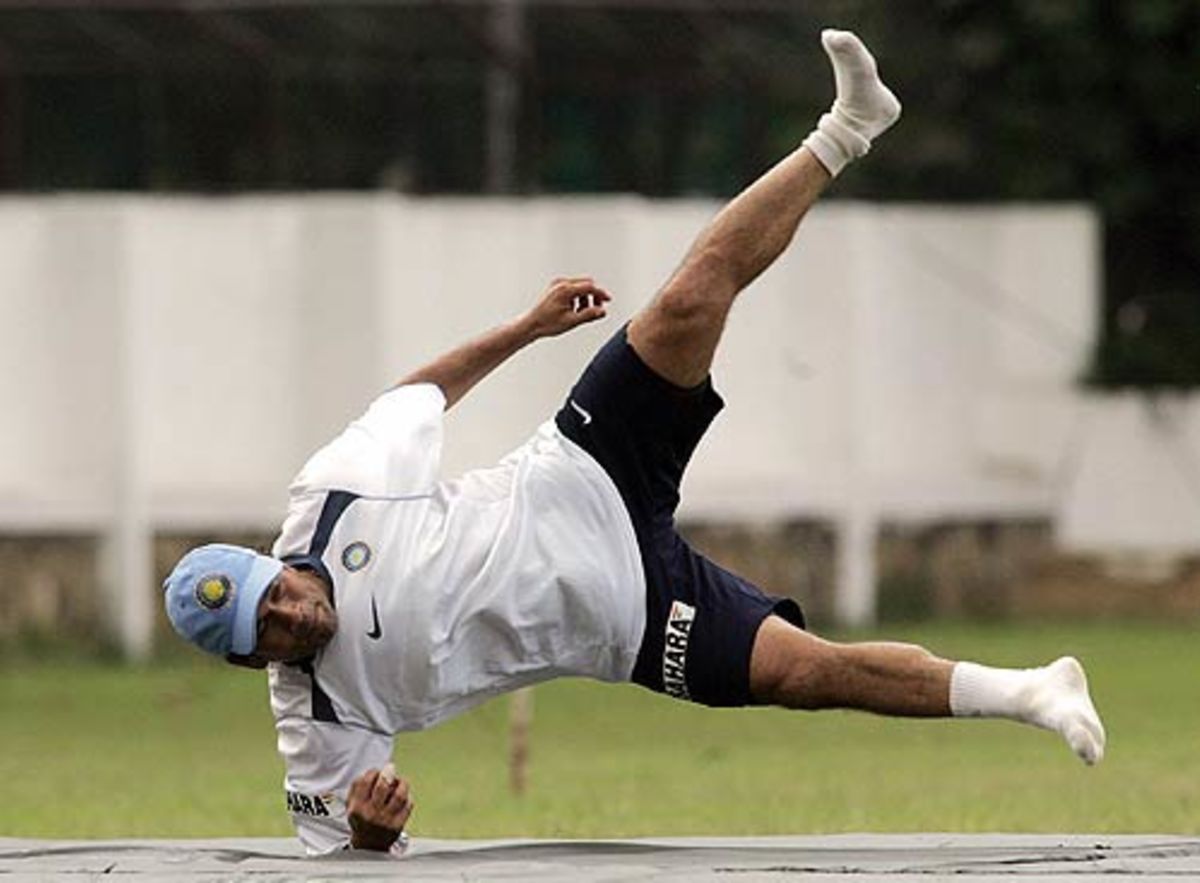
<point x="794" y="669"/>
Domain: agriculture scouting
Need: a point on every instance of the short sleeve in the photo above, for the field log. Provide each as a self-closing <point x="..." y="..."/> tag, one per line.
<point x="392" y="450"/>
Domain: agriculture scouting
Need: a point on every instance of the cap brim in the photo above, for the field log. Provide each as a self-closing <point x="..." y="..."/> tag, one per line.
<point x="245" y="618"/>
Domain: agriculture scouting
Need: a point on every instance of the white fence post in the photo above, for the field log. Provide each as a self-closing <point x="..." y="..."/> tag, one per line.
<point x="127" y="557"/>
<point x="855" y="593"/>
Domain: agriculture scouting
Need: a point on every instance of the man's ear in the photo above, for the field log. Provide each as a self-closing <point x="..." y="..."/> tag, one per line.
<point x="245" y="661"/>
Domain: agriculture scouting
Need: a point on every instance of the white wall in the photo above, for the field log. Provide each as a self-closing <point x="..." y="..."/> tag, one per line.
<point x="1131" y="478"/>
<point x="178" y="358"/>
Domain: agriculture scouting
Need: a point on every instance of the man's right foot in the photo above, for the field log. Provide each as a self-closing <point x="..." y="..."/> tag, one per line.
<point x="864" y="109"/>
<point x="863" y="102"/>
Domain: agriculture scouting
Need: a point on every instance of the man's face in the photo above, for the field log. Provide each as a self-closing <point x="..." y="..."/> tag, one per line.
<point x="295" y="617"/>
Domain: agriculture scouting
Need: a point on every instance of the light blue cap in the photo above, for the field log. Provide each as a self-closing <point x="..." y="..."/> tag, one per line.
<point x="212" y="596"/>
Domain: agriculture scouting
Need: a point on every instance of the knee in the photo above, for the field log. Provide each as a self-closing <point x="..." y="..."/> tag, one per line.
<point x="700" y="292"/>
<point x="793" y="668"/>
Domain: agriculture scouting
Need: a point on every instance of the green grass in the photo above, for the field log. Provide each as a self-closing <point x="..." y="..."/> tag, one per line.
<point x="187" y="750"/>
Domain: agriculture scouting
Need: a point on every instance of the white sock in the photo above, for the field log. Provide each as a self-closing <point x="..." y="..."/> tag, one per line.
<point x="1054" y="697"/>
<point x="863" y="110"/>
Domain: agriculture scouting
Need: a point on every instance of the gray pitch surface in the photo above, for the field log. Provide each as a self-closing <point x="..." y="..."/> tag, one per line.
<point x="888" y="857"/>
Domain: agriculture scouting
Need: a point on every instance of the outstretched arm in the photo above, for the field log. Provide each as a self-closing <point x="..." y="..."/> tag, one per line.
<point x="565" y="304"/>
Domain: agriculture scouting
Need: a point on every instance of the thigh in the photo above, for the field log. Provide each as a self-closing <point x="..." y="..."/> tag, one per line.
<point x="702" y="622"/>
<point x="677" y="333"/>
<point x="640" y="428"/>
<point x="783" y="658"/>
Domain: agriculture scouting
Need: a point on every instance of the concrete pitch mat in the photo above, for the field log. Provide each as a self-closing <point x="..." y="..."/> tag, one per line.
<point x="888" y="857"/>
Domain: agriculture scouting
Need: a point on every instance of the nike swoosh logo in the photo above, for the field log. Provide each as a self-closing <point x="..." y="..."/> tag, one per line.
<point x="376" y="631"/>
<point x="587" y="418"/>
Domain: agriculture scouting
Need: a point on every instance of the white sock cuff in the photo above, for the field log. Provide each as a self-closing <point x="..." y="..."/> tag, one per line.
<point x="835" y="144"/>
<point x="972" y="690"/>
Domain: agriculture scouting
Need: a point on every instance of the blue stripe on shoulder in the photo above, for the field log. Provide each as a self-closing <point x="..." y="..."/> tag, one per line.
<point x="336" y="503"/>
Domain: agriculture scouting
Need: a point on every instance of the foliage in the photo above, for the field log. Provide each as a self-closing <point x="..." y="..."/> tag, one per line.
<point x="1026" y="100"/>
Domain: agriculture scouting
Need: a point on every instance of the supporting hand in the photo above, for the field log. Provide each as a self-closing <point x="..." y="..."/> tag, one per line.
<point x="378" y="807"/>
<point x="565" y="304"/>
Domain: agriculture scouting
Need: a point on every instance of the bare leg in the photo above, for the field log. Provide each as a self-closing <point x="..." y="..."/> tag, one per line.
<point x="794" y="669"/>
<point x="677" y="334"/>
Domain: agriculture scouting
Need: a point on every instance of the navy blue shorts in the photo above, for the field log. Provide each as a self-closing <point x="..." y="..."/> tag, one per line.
<point x="701" y="620"/>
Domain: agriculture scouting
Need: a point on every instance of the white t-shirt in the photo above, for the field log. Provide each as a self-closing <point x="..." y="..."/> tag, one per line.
<point x="447" y="593"/>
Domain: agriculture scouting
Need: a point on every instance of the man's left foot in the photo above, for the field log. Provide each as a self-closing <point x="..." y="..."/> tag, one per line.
<point x="1058" y="700"/>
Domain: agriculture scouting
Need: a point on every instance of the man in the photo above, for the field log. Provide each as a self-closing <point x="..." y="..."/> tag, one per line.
<point x="393" y="600"/>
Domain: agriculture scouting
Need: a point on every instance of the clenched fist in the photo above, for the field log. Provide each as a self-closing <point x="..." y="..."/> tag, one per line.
<point x="378" y="807"/>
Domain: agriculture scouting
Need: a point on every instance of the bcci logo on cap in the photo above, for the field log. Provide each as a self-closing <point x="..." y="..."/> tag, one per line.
<point x="213" y="591"/>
